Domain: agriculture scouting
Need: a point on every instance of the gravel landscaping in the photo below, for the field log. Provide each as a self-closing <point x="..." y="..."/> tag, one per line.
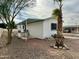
<point x="38" y="49"/>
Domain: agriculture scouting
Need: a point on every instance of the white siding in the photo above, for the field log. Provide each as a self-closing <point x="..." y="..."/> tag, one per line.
<point x="47" y="32"/>
<point x="36" y="29"/>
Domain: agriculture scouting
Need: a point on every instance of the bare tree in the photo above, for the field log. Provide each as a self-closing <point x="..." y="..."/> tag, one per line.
<point x="9" y="9"/>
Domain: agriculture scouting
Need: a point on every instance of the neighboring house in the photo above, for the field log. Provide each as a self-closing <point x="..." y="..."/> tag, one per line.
<point x="71" y="29"/>
<point x="40" y="28"/>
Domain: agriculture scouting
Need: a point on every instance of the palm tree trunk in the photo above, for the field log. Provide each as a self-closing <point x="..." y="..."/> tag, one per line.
<point x="59" y="26"/>
<point x="60" y="37"/>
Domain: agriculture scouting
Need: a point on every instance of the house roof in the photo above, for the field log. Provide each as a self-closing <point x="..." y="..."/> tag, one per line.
<point x="37" y="20"/>
<point x="70" y="26"/>
<point x="32" y="20"/>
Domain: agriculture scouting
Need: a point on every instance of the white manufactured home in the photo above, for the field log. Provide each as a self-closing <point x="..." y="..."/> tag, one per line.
<point x="41" y="28"/>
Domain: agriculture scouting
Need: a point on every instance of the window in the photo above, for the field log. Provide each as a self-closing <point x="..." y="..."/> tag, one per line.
<point x="23" y="27"/>
<point x="53" y="26"/>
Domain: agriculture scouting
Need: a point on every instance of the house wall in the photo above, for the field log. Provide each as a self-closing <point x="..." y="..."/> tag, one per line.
<point x="47" y="32"/>
<point x="35" y="29"/>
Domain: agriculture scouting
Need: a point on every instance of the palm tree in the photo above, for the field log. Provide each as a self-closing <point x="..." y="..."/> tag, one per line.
<point x="57" y="13"/>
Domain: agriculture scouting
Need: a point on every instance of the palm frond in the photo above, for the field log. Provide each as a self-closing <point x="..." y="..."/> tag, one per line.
<point x="58" y="0"/>
<point x="56" y="12"/>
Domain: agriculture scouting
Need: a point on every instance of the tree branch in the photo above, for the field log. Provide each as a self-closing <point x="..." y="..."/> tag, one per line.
<point x="24" y="5"/>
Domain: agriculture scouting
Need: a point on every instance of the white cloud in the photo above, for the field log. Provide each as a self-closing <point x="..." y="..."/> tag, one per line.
<point x="43" y="9"/>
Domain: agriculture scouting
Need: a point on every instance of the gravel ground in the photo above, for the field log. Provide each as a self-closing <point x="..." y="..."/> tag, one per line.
<point x="38" y="49"/>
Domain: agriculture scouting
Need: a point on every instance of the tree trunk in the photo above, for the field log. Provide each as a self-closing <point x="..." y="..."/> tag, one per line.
<point x="9" y="36"/>
<point x="59" y="37"/>
<point x="59" y="27"/>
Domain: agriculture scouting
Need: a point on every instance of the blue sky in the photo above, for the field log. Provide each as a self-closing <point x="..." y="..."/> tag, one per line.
<point x="43" y="9"/>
